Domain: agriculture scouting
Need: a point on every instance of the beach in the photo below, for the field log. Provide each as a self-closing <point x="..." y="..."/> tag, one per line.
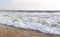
<point x="11" y="31"/>
<point x="8" y="31"/>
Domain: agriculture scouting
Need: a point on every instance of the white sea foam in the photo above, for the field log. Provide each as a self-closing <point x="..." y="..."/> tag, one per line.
<point x="44" y="22"/>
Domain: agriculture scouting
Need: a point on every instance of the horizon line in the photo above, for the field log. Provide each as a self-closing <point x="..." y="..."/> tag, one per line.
<point x="30" y="10"/>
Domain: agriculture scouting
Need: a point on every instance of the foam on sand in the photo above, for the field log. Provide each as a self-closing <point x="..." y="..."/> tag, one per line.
<point x="44" y="22"/>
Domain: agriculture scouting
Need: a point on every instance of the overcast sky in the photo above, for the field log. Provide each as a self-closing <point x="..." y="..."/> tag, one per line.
<point x="30" y="4"/>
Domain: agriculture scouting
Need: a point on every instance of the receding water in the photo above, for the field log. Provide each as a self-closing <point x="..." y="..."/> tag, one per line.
<point x="46" y="22"/>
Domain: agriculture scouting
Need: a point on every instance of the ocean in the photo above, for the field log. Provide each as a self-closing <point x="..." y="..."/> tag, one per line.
<point x="44" y="21"/>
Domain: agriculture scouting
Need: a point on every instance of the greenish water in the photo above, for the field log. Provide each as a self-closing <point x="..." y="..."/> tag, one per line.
<point x="50" y="11"/>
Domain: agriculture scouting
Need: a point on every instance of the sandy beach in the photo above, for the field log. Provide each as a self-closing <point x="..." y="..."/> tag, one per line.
<point x="9" y="31"/>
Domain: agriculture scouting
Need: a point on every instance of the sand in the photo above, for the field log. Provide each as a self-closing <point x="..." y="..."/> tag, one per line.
<point x="9" y="31"/>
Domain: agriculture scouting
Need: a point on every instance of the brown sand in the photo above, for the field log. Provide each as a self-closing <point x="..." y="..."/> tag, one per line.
<point x="8" y="31"/>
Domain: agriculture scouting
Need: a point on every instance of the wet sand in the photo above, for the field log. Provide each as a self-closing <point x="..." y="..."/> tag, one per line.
<point x="8" y="31"/>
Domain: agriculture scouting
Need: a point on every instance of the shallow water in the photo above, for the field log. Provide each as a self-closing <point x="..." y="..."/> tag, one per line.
<point x="44" y="22"/>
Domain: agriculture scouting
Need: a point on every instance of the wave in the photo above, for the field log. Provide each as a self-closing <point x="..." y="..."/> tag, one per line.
<point x="44" y="22"/>
<point x="49" y="11"/>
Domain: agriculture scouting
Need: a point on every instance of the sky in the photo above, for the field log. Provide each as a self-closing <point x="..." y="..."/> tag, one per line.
<point x="29" y="4"/>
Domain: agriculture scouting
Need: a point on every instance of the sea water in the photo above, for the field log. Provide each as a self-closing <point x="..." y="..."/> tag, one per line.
<point x="43" y="22"/>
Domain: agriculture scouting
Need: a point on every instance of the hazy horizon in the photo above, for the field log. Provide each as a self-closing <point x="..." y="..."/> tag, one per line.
<point x="29" y="4"/>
